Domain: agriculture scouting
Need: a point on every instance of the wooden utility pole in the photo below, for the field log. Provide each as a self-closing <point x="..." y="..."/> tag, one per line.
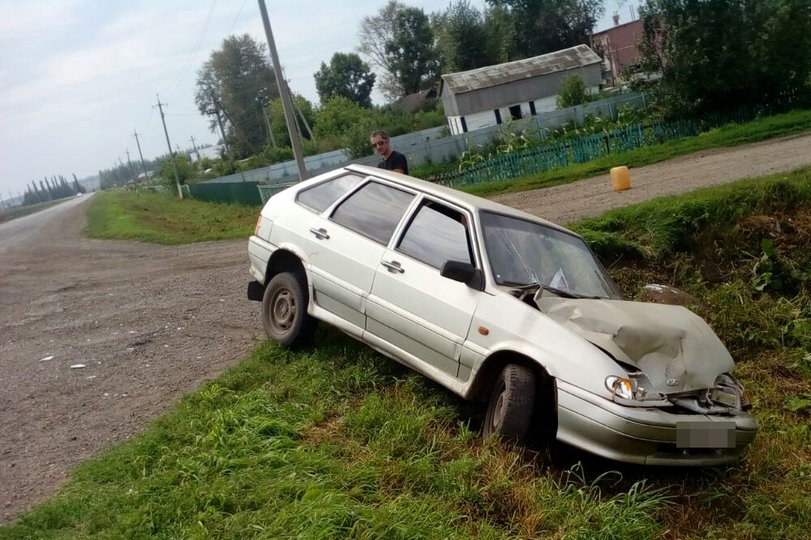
<point x="143" y="165"/>
<point x="284" y="92"/>
<point x="169" y="145"/>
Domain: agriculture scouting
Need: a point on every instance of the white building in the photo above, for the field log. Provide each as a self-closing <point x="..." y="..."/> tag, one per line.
<point x="493" y="95"/>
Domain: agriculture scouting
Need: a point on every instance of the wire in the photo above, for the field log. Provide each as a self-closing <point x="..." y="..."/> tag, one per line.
<point x="196" y="48"/>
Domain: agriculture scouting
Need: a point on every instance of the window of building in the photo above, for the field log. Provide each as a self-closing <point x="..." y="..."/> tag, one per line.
<point x="532" y="110"/>
<point x="498" y="116"/>
<point x="515" y="112"/>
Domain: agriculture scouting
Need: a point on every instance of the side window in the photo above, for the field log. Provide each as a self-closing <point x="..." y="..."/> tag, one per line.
<point x="319" y="197"/>
<point x="373" y="211"/>
<point x="437" y="234"/>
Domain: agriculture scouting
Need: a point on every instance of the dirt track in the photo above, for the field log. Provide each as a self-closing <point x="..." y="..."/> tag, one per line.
<point x="150" y="323"/>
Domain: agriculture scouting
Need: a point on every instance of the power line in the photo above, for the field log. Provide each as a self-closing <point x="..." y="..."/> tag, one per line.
<point x="196" y="48"/>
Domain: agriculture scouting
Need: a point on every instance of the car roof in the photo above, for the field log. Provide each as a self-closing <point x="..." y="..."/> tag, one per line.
<point x="473" y="202"/>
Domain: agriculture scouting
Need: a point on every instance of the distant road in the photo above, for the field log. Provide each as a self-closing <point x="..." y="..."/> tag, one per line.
<point x="19" y="230"/>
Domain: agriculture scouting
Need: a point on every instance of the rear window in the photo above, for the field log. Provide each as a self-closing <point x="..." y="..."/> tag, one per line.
<point x="319" y="197"/>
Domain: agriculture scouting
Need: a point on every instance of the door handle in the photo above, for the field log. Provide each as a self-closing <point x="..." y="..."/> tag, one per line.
<point x="321" y="233"/>
<point x="393" y="267"/>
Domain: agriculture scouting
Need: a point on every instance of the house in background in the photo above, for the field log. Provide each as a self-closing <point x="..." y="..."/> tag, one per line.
<point x="619" y="46"/>
<point x="496" y="94"/>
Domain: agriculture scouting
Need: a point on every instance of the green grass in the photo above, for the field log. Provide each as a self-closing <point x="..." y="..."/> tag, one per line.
<point x="339" y="442"/>
<point x="163" y="219"/>
<point x="662" y="226"/>
<point x="334" y="442"/>
<point x="781" y="125"/>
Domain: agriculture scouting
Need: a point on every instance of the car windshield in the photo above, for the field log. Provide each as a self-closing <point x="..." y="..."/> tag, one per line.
<point x="524" y="253"/>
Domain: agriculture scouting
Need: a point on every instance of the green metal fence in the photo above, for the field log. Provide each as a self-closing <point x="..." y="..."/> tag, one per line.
<point x="227" y="192"/>
<point x="266" y="191"/>
<point x="573" y="150"/>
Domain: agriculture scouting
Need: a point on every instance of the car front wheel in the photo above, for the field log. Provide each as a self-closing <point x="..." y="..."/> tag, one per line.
<point x="284" y="310"/>
<point x="512" y="401"/>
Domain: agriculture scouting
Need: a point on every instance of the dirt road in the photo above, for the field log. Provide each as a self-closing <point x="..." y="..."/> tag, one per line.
<point x="149" y="323"/>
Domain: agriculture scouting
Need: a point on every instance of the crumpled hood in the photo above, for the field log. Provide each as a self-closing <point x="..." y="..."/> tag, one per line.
<point x="673" y="346"/>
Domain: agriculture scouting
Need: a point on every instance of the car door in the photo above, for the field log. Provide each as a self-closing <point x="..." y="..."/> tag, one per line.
<point x="412" y="308"/>
<point x="346" y="247"/>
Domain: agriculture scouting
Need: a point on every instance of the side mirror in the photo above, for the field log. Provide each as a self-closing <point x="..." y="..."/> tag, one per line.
<point x="464" y="272"/>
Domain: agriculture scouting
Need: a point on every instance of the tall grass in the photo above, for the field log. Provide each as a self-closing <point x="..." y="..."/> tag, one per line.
<point x="163" y="219"/>
<point x="333" y="442"/>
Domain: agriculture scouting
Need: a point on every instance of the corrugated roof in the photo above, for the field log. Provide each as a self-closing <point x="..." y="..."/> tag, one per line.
<point x="488" y="76"/>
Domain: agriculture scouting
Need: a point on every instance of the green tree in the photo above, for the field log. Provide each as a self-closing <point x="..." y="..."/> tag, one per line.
<point x="339" y="115"/>
<point x="411" y="53"/>
<point x="233" y="81"/>
<point x="710" y="60"/>
<point x="462" y="38"/>
<point x="572" y="92"/>
<point x="348" y="76"/>
<point x="542" y="26"/>
<point x="278" y="123"/>
<point x="185" y="169"/>
<point x="374" y="33"/>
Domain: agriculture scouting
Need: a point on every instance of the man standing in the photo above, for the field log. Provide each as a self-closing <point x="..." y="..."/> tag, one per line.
<point x="392" y="159"/>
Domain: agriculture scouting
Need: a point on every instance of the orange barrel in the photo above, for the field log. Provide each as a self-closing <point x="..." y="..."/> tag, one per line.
<point x="620" y="179"/>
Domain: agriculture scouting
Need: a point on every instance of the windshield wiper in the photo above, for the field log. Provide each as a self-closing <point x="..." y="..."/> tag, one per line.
<point x="534" y="286"/>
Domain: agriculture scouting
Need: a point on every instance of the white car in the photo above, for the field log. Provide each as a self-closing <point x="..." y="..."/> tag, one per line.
<point x="499" y="306"/>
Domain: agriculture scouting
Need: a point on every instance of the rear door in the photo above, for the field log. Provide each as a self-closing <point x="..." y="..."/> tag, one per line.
<point x="346" y="247"/>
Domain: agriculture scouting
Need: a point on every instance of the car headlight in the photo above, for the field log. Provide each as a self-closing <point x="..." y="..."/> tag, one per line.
<point x="621" y="387"/>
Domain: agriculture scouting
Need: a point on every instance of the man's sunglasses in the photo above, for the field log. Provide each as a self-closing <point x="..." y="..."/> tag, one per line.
<point x="378" y="143"/>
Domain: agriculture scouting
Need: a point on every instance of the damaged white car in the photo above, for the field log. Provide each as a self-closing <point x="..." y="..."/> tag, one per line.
<point x="499" y="306"/>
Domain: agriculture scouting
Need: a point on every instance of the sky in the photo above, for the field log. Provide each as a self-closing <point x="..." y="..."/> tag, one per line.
<point x="79" y="77"/>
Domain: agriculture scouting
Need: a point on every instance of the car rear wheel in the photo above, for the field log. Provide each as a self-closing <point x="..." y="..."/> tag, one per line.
<point x="512" y="401"/>
<point x="284" y="310"/>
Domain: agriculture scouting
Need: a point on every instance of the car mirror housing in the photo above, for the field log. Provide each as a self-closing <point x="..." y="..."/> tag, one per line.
<point x="463" y="272"/>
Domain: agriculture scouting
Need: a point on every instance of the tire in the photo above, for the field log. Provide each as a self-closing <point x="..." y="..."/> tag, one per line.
<point x="512" y="402"/>
<point x="284" y="311"/>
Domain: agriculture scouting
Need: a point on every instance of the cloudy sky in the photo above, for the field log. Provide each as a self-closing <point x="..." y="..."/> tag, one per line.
<point x="78" y="77"/>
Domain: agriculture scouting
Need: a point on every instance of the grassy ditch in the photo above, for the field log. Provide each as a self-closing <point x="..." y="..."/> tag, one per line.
<point x="163" y="219"/>
<point x="335" y="441"/>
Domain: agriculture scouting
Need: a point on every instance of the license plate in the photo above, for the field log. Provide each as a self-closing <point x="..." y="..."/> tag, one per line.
<point x="705" y="434"/>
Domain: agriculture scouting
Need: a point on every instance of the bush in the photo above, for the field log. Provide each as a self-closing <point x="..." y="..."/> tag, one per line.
<point x="572" y="92"/>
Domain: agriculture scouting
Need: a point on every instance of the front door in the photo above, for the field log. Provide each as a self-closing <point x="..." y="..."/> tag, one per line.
<point x="412" y="307"/>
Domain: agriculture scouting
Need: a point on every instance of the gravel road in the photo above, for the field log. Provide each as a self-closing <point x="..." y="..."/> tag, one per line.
<point x="150" y="323"/>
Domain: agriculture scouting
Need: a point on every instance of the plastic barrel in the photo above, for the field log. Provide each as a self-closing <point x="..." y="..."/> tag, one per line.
<point x="620" y="178"/>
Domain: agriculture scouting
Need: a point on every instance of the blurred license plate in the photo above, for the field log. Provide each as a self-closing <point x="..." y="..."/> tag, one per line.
<point x="705" y="434"/>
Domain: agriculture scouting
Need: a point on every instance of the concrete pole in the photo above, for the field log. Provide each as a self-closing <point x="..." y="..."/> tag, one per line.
<point x="169" y="146"/>
<point x="284" y="92"/>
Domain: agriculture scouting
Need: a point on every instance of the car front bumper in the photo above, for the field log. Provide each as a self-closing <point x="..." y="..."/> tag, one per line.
<point x="644" y="435"/>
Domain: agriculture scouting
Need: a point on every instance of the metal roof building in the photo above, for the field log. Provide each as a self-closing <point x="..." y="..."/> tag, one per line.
<point x="492" y="94"/>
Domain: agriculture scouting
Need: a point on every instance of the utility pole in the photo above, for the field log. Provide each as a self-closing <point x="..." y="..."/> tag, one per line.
<point x="194" y="145"/>
<point x="267" y="123"/>
<point x="216" y="112"/>
<point x="132" y="171"/>
<point x="169" y="146"/>
<point x="289" y="114"/>
<point x="146" y="174"/>
<point x="121" y="163"/>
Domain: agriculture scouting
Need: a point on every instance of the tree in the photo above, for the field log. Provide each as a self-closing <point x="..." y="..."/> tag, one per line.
<point x="572" y="92"/>
<point x="462" y="38"/>
<point x="374" y="33"/>
<point x="543" y="26"/>
<point x="232" y="83"/>
<point x="708" y="58"/>
<point x="348" y="76"/>
<point x="411" y="53"/>
<point x="278" y="123"/>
